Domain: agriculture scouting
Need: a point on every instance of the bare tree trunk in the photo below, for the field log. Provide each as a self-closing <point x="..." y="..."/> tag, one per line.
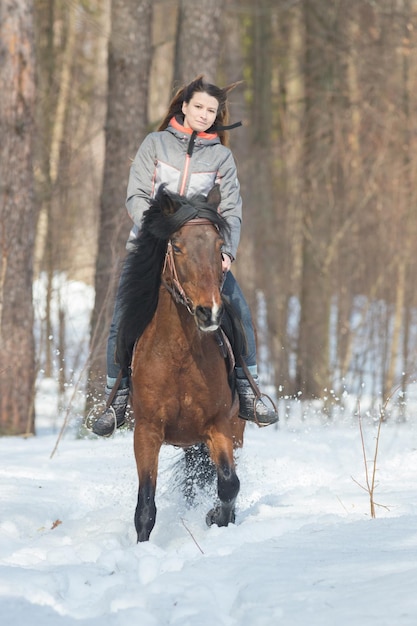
<point x="44" y="14"/>
<point x="57" y="129"/>
<point x="322" y="196"/>
<point x="164" y="33"/>
<point x="198" y="40"/>
<point x="281" y="228"/>
<point x="400" y="318"/>
<point x="129" y="61"/>
<point x="259" y="201"/>
<point x="17" y="217"/>
<point x="233" y="69"/>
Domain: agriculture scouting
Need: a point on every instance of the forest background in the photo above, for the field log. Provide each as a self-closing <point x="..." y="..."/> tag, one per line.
<point x="326" y="160"/>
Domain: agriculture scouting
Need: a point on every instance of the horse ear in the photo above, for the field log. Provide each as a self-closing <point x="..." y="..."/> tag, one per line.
<point x="167" y="203"/>
<point x="214" y="197"/>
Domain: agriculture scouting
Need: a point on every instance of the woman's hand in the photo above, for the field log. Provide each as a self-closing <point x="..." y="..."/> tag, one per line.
<point x="226" y="262"/>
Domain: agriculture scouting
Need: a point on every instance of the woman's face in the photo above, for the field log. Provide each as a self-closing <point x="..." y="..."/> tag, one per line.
<point x="200" y="112"/>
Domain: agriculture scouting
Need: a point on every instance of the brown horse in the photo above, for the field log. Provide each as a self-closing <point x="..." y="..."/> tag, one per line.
<point x="181" y="387"/>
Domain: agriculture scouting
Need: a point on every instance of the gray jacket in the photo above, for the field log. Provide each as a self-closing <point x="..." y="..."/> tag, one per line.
<point x="162" y="158"/>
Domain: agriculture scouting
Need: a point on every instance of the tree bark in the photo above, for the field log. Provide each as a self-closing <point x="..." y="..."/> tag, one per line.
<point x="129" y="59"/>
<point x="312" y="376"/>
<point x="17" y="217"/>
<point x="198" y="40"/>
<point x="406" y="230"/>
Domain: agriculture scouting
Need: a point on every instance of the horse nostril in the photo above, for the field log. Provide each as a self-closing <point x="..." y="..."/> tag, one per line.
<point x="203" y="313"/>
<point x="208" y="318"/>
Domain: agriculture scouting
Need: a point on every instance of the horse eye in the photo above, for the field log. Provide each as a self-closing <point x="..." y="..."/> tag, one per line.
<point x="176" y="249"/>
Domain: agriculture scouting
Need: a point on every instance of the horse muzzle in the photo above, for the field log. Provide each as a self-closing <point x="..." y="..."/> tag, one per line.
<point x="208" y="318"/>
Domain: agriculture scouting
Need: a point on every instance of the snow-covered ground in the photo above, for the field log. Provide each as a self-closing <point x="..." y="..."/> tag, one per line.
<point x="304" y="550"/>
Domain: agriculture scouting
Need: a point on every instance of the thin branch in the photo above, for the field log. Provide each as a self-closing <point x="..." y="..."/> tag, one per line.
<point x="191" y="535"/>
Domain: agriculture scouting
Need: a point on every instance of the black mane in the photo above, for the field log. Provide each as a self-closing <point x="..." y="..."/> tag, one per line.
<point x="141" y="276"/>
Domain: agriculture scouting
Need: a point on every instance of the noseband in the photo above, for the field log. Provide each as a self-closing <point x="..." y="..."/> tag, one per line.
<point x="176" y="289"/>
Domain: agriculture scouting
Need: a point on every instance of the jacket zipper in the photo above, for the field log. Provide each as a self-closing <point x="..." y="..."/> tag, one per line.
<point x="188" y="156"/>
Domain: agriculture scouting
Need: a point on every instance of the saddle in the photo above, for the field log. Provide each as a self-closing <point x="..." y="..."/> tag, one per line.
<point x="231" y="338"/>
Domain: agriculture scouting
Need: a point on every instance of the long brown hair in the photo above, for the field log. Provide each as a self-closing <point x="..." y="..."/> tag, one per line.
<point x="198" y="85"/>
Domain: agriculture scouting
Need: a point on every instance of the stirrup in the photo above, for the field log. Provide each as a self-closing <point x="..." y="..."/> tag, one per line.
<point x="108" y="422"/>
<point x="261" y="414"/>
<point x="251" y="405"/>
<point x="112" y="417"/>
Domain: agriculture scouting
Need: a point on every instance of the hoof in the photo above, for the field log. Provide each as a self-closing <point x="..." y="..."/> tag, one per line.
<point x="221" y="516"/>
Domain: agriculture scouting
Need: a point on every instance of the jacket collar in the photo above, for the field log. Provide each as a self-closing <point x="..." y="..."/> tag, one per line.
<point x="176" y="123"/>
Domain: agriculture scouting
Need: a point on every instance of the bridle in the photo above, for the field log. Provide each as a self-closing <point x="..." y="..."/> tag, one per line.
<point x="175" y="288"/>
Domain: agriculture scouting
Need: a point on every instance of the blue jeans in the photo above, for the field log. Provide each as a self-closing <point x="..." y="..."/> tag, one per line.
<point x="234" y="293"/>
<point x="113" y="368"/>
<point x="231" y="289"/>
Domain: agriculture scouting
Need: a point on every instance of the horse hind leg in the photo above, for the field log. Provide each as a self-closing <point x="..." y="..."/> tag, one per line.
<point x="228" y="485"/>
<point x="199" y="472"/>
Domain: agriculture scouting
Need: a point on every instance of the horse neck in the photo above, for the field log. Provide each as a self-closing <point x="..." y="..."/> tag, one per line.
<point x="174" y="319"/>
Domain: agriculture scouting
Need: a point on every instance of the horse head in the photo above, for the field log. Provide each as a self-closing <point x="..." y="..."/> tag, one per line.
<point x="193" y="266"/>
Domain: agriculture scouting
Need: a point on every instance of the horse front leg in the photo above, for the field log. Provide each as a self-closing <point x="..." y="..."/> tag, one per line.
<point x="145" y="513"/>
<point x="146" y="454"/>
<point x="228" y="484"/>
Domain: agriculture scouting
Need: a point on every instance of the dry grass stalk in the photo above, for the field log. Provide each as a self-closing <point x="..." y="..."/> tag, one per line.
<point x="370" y="475"/>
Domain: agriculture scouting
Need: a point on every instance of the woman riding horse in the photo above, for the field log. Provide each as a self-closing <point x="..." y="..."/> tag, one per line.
<point x="188" y="155"/>
<point x="170" y="337"/>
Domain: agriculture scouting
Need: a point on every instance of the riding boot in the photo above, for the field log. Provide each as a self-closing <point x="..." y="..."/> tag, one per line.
<point x="114" y="416"/>
<point x="249" y="409"/>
